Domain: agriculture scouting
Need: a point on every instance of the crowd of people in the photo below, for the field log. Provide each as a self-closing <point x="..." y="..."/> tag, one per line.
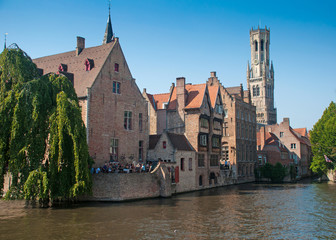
<point x="117" y="167"/>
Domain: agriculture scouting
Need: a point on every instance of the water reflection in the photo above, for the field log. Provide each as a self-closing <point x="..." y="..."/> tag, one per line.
<point x="250" y="211"/>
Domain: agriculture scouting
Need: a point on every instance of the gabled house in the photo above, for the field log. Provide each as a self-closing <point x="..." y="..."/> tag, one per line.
<point x="239" y="130"/>
<point x="197" y="112"/>
<point x="178" y="155"/>
<point x="113" y="110"/>
<point x="272" y="150"/>
<point x="299" y="145"/>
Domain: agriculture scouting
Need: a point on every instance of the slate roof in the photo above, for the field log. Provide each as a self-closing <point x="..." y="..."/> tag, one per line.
<point x="179" y="141"/>
<point x="234" y="90"/>
<point x="82" y="79"/>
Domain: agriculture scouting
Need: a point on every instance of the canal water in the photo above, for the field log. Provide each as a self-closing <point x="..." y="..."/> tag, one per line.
<point x="248" y="211"/>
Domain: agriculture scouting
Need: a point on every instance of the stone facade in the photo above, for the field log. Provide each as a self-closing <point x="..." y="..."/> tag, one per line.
<point x="260" y="77"/>
<point x="239" y="130"/>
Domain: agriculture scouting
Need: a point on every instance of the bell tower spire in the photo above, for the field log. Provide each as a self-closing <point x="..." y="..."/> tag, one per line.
<point x="108" y="36"/>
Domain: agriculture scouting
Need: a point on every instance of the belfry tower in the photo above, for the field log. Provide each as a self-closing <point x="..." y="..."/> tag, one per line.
<point x="260" y="77"/>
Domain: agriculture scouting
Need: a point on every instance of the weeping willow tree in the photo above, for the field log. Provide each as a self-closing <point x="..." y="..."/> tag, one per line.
<point x="42" y="138"/>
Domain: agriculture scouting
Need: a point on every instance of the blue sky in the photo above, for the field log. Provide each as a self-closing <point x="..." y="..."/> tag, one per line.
<point x="166" y="39"/>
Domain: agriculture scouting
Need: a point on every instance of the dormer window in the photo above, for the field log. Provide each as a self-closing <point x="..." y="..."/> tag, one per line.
<point x="89" y="64"/>
<point x="116" y="67"/>
<point x="63" y="68"/>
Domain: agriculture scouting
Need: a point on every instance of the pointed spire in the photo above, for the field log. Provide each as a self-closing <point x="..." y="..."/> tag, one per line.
<point x="5" y="41"/>
<point x="108" y="36"/>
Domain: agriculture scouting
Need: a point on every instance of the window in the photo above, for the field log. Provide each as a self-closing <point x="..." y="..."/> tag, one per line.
<point x="204" y="123"/>
<point x="225" y="113"/>
<point x="182" y="164"/>
<point x="213" y="160"/>
<point x="256" y="45"/>
<point x="116" y="87"/>
<point x="114" y="149"/>
<point x="215" y="142"/>
<point x="116" y="67"/>
<point x="219" y="109"/>
<point x="164" y="144"/>
<point x="257" y="90"/>
<point x="190" y="164"/>
<point x="128" y="120"/>
<point x="203" y="141"/>
<point x="262" y="45"/>
<point x="217" y="125"/>
<point x="140" y="151"/>
<point x="140" y="122"/>
<point x="281" y="134"/>
<point x="226" y="153"/>
<point x="254" y="91"/>
<point x="293" y="145"/>
<point x="201" y="160"/>
<point x="225" y="128"/>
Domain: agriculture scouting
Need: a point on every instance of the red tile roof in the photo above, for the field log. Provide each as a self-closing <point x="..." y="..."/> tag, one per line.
<point x="195" y="96"/>
<point x="301" y="131"/>
<point x="160" y="100"/>
<point x="75" y="65"/>
<point x="213" y="92"/>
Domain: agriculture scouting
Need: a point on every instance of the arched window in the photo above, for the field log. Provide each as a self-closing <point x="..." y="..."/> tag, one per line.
<point x="262" y="45"/>
<point x="257" y="91"/>
<point x="256" y="45"/>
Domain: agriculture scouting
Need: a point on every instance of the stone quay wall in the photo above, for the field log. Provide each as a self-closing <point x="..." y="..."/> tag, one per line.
<point x="130" y="186"/>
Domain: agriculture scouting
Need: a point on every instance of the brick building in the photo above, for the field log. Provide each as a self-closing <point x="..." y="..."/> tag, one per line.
<point x="178" y="155"/>
<point x="272" y="150"/>
<point x="239" y="130"/>
<point x="113" y="109"/>
<point x="296" y="141"/>
<point x="197" y="112"/>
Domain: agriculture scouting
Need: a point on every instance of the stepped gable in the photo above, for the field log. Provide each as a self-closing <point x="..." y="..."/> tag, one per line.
<point x="82" y="79"/>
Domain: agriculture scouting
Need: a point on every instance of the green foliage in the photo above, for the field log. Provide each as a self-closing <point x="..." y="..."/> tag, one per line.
<point x="274" y="173"/>
<point x="37" y="186"/>
<point x="323" y="140"/>
<point x="42" y="128"/>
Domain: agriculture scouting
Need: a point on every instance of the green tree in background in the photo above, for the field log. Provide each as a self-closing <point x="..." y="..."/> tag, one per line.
<point x="323" y="140"/>
<point x="42" y="135"/>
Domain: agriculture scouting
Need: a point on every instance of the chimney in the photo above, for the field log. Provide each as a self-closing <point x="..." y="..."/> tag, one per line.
<point x="286" y="121"/>
<point x="80" y="45"/>
<point x="180" y="93"/>
<point x="213" y="74"/>
<point x="262" y="137"/>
